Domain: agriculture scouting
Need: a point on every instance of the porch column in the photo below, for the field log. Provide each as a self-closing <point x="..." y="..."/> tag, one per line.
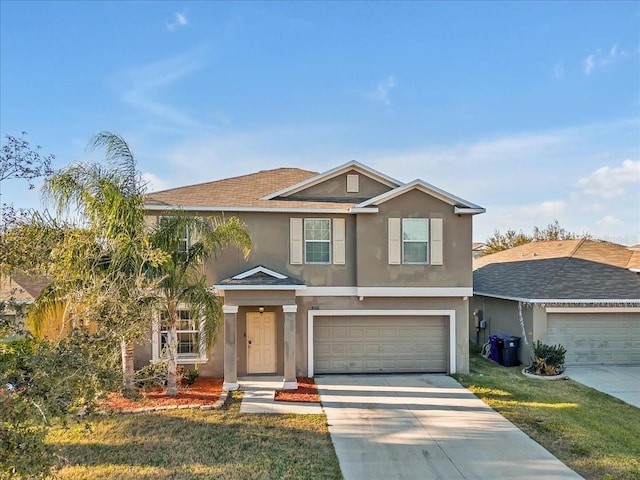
<point x="290" y="381"/>
<point x="230" y="362"/>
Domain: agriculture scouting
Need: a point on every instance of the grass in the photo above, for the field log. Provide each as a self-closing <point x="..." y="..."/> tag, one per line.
<point x="596" y="435"/>
<point x="195" y="444"/>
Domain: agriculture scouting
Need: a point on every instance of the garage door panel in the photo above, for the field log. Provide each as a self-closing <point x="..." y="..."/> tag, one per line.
<point x="594" y="339"/>
<point x="380" y="344"/>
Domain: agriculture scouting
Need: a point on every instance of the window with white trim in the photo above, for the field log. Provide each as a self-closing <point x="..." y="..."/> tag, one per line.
<point x="183" y="241"/>
<point x="415" y="240"/>
<point x="317" y="240"/>
<point x="190" y="338"/>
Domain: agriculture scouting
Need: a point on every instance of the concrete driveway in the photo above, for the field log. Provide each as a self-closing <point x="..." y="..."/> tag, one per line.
<point x="426" y="427"/>
<point x="622" y="382"/>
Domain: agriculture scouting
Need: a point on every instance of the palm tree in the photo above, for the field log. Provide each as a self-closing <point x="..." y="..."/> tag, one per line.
<point x="182" y="279"/>
<point x="100" y="269"/>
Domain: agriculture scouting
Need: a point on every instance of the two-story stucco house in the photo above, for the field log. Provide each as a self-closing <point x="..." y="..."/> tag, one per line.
<point x="350" y="271"/>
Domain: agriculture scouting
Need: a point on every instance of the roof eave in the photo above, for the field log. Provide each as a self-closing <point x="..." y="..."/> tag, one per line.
<point x="468" y="210"/>
<point x="224" y="287"/>
<point x="630" y="301"/>
<point x="231" y="208"/>
<point x="436" y="192"/>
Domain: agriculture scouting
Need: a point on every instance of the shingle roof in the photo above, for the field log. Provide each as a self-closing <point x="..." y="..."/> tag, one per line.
<point x="240" y="192"/>
<point x="21" y="287"/>
<point x="557" y="278"/>
<point x="593" y="250"/>
<point x="260" y="276"/>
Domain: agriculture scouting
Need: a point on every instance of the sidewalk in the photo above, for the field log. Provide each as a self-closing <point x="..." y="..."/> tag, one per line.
<point x="258" y="394"/>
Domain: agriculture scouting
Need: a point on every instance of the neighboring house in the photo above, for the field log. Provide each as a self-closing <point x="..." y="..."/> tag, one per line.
<point x="350" y="271"/>
<point x="583" y="294"/>
<point x="478" y="249"/>
<point x="19" y="291"/>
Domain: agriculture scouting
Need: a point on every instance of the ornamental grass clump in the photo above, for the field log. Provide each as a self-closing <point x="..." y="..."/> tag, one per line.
<point x="548" y="360"/>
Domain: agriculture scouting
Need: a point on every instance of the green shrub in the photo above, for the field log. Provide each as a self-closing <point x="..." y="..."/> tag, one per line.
<point x="189" y="376"/>
<point x="151" y="376"/>
<point x="547" y="359"/>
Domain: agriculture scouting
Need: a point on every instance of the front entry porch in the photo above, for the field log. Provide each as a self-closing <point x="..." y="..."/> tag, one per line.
<point x="260" y="325"/>
<point x="258" y="348"/>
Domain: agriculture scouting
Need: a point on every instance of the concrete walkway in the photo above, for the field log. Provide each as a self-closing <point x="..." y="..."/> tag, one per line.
<point x="622" y="382"/>
<point x="258" y="394"/>
<point x="426" y="427"/>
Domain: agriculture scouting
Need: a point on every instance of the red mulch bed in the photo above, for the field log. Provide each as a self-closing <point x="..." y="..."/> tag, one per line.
<point x="306" y="392"/>
<point x="204" y="391"/>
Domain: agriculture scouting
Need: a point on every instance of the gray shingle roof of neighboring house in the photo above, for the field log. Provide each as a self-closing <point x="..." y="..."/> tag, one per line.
<point x="564" y="278"/>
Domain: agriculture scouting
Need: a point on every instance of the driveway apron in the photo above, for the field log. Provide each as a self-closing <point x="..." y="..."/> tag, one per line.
<point x="426" y="427"/>
<point x="622" y="382"/>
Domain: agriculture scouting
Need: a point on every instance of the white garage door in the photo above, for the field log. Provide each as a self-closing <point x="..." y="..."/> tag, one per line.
<point x="596" y="338"/>
<point x="380" y="344"/>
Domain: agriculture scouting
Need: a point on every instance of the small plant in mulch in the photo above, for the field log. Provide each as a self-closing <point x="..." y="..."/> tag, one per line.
<point x="189" y="376"/>
<point x="204" y="391"/>
<point x="548" y="360"/>
<point x="306" y="392"/>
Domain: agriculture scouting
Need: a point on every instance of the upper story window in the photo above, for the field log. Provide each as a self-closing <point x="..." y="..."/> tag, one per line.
<point x="317" y="240"/>
<point x="415" y="240"/>
<point x="183" y="242"/>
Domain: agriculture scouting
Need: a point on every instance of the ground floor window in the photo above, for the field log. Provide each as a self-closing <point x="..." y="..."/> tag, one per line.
<point x="190" y="337"/>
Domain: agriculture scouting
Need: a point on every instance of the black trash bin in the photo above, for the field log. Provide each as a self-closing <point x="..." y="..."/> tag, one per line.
<point x="496" y="342"/>
<point x="509" y="347"/>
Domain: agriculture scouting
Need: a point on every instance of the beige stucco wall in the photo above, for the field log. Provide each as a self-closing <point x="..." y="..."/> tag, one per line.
<point x="214" y="367"/>
<point x="366" y="248"/>
<point x="503" y="318"/>
<point x="336" y="189"/>
<point x="373" y="264"/>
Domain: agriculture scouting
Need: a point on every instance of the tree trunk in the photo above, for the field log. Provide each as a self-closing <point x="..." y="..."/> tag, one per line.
<point x="127" y="364"/>
<point x="172" y="364"/>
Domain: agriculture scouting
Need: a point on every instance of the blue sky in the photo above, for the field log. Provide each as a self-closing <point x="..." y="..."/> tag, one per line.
<point x="530" y="109"/>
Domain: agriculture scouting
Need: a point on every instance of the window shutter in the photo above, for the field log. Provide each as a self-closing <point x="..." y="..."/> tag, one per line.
<point x="395" y="242"/>
<point x="295" y="241"/>
<point x="338" y="241"/>
<point x="437" y="255"/>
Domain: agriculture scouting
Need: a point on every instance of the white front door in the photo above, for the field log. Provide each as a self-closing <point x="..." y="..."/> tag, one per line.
<point x="261" y="342"/>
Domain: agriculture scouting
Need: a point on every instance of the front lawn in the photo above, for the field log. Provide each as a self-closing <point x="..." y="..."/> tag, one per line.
<point x="195" y="444"/>
<point x="596" y="435"/>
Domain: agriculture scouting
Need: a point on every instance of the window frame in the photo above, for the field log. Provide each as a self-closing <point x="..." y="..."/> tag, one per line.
<point x="404" y="241"/>
<point x="160" y="339"/>
<point x="186" y="238"/>
<point x="306" y="241"/>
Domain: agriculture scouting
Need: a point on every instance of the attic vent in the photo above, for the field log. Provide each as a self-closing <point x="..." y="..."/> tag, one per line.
<point x="353" y="184"/>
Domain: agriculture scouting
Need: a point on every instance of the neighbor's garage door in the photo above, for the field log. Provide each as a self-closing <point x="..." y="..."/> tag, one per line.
<point x="596" y="338"/>
<point x="380" y="344"/>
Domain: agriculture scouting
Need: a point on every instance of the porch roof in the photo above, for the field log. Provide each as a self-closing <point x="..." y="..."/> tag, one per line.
<point x="260" y="278"/>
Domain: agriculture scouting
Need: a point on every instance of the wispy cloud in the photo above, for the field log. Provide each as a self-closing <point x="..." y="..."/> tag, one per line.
<point x="603" y="57"/>
<point x="382" y="91"/>
<point x="179" y="21"/>
<point x="523" y="179"/>
<point x="610" y="182"/>
<point x="153" y="182"/>
<point x="146" y="89"/>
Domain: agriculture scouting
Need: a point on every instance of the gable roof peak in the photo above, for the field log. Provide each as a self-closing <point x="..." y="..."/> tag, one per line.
<point x="334" y="172"/>
<point x="461" y="206"/>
